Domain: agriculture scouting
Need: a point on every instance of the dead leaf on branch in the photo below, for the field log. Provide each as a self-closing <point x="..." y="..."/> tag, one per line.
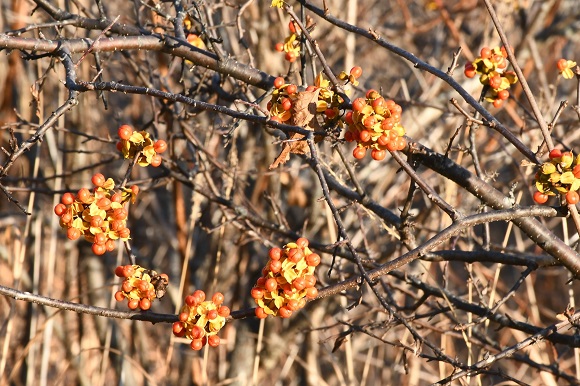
<point x="303" y="115"/>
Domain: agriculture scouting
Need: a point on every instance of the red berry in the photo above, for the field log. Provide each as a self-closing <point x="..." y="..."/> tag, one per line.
<point x="133" y="304"/>
<point x="59" y="209"/>
<point x="98" y="180"/>
<point x="257" y="293"/>
<point x="212" y="314"/>
<point x="279" y="82"/>
<point x="503" y="94"/>
<point x="125" y="132"/>
<point x="73" y="233"/>
<point x="358" y="104"/>
<point x="275" y="253"/>
<point x="224" y="311"/>
<point x="260" y="313"/>
<point x="348" y="117"/>
<point x="196" y="344"/>
<point x="313" y="259"/>
<point x="145" y="304"/>
<point x="292" y="27"/>
<point x="286" y="104"/>
<point x="119" y="296"/>
<point x="271" y="284"/>
<point x="291" y="89"/>
<point x="299" y="283"/>
<point x="378" y="155"/>
<point x="495" y="81"/>
<point x="540" y="197"/>
<point x="177" y="328"/>
<point x="84" y="195"/>
<point x="284" y="312"/>
<point x="199" y="295"/>
<point x="99" y="249"/>
<point x="311" y="293"/>
<point x="572" y="197"/>
<point x="485" y="53"/>
<point x="365" y="135"/>
<point x="120" y="271"/>
<point x="356" y="72"/>
<point x="67" y="198"/>
<point x="562" y="64"/>
<point x="160" y="146"/>
<point x="555" y="153"/>
<point x="359" y="152"/>
<point x="156" y="160"/>
<point x="213" y="340"/>
<point x="497" y="103"/>
<point x="290" y="56"/>
<point x="279" y="47"/>
<point x="191" y="301"/>
<point x="217" y="298"/>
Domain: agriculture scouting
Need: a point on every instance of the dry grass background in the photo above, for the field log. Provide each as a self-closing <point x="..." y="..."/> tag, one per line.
<point x="173" y="223"/>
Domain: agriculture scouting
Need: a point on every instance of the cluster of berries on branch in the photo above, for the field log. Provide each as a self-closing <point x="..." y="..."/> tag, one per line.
<point x="560" y="175"/>
<point x="287" y="280"/>
<point x="375" y="123"/>
<point x="98" y="215"/>
<point x="291" y="45"/>
<point x="133" y="143"/>
<point x="200" y="320"/>
<point x="290" y="105"/>
<point x="491" y="66"/>
<point x="141" y="286"/>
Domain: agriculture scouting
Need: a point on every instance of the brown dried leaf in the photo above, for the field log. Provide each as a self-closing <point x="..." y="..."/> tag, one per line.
<point x="304" y="107"/>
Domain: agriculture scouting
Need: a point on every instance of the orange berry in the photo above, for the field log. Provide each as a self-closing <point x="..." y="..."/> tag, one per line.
<point x="59" y="209"/>
<point x="313" y="259"/>
<point x="562" y="64"/>
<point x="125" y="132"/>
<point x="356" y="72"/>
<point x="156" y="160"/>
<point x="73" y="233"/>
<point x="257" y="293"/>
<point x="497" y="103"/>
<point x="271" y="284"/>
<point x="217" y="298"/>
<point x="224" y="311"/>
<point x="260" y="313"/>
<point x="572" y="197"/>
<point x="98" y="180"/>
<point x="284" y="312"/>
<point x="275" y="253"/>
<point x="275" y="266"/>
<point x="84" y="195"/>
<point x="119" y="296"/>
<point x="540" y="197"/>
<point x="160" y="146"/>
<point x="290" y="56"/>
<point x="358" y="104"/>
<point x="378" y="155"/>
<point x="359" y="152"/>
<point x="311" y="293"/>
<point x="99" y="249"/>
<point x="299" y="283"/>
<point x="503" y="94"/>
<point x="199" y="295"/>
<point x="302" y="242"/>
<point x="279" y="47"/>
<point x="279" y="82"/>
<point x="145" y="304"/>
<point x="555" y="153"/>
<point x="67" y="198"/>
<point x="485" y="53"/>
<point x="213" y="340"/>
<point x="177" y="328"/>
<point x="291" y="89"/>
<point x="196" y="344"/>
<point x="133" y="304"/>
<point x="365" y="135"/>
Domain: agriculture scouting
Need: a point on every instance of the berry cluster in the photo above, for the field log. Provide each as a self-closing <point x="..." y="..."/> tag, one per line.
<point x="491" y="67"/>
<point x="291" y="45"/>
<point x="100" y="216"/>
<point x="201" y="320"/>
<point x="559" y="175"/>
<point x="140" y="286"/>
<point x="375" y="123"/>
<point x="286" y="280"/>
<point x="566" y="68"/>
<point x="140" y="143"/>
